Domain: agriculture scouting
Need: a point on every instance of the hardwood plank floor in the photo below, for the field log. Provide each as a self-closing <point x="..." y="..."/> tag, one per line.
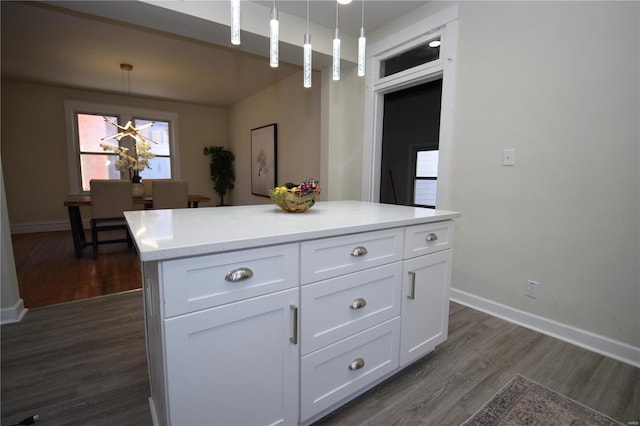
<point x="49" y="273"/>
<point x="84" y="362"/>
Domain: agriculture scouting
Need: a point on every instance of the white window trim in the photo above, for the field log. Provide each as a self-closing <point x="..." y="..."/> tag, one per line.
<point x="71" y="107"/>
<point x="444" y="22"/>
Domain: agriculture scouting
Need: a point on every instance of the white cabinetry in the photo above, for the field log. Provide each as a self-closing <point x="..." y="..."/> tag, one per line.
<point x="223" y="333"/>
<point x="427" y="279"/>
<point x="327" y="306"/>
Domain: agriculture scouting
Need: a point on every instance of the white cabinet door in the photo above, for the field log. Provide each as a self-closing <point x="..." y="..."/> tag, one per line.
<point x="425" y="304"/>
<point x="235" y="364"/>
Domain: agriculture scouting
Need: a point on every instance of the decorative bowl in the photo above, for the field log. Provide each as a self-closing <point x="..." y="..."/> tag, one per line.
<point x="296" y="198"/>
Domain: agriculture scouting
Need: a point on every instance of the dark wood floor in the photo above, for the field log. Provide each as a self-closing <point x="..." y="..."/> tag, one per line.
<point x="84" y="362"/>
<point x="48" y="272"/>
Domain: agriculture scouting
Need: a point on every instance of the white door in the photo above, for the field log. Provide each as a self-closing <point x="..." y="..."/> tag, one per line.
<point x="235" y="364"/>
<point x="425" y="304"/>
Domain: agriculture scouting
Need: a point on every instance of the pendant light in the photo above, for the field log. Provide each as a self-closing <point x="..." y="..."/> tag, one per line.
<point x="273" y="37"/>
<point x="128" y="129"/>
<point x="336" y="50"/>
<point x="362" y="47"/>
<point x="235" y="22"/>
<point x="307" y="54"/>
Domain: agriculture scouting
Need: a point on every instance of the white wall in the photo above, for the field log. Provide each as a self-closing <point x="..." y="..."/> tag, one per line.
<point x="34" y="148"/>
<point x="343" y="118"/>
<point x="296" y="111"/>
<point x="559" y="82"/>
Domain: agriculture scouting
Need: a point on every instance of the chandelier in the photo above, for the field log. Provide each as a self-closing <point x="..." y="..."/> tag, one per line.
<point x="128" y="129"/>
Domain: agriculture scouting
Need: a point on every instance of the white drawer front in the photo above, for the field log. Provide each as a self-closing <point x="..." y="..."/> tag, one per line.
<point x="198" y="283"/>
<point x="331" y="257"/>
<point x="326" y="374"/>
<point x="429" y="238"/>
<point x="340" y="307"/>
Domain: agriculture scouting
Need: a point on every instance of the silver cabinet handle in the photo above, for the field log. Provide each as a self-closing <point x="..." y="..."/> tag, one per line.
<point x="412" y="295"/>
<point x="432" y="237"/>
<point x="239" y="275"/>
<point x="358" y="303"/>
<point x="359" y="251"/>
<point x="356" y="364"/>
<point x="294" y="338"/>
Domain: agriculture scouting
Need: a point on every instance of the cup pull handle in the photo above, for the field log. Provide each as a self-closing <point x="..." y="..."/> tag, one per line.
<point x="358" y="303"/>
<point x="356" y="364"/>
<point x="412" y="295"/>
<point x="359" y="251"/>
<point x="432" y="237"/>
<point x="239" y="275"/>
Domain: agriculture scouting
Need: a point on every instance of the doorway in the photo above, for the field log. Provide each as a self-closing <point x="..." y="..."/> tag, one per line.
<point x="410" y="144"/>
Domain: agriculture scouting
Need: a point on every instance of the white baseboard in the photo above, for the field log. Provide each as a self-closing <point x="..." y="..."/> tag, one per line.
<point x="13" y="313"/>
<point x="585" y="339"/>
<point x="27" y="228"/>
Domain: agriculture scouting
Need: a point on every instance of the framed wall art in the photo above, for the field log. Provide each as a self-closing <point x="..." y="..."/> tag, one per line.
<point x="264" y="144"/>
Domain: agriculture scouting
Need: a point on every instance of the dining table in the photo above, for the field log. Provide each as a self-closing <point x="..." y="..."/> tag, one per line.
<point x="73" y="202"/>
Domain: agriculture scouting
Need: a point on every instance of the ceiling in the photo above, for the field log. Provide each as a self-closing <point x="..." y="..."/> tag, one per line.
<point x="53" y="44"/>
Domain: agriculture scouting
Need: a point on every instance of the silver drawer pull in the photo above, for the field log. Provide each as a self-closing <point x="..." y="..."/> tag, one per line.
<point x="356" y="364"/>
<point x="294" y="337"/>
<point x="358" y="303"/>
<point x="432" y="237"/>
<point x="239" y="275"/>
<point x="412" y="295"/>
<point x="359" y="251"/>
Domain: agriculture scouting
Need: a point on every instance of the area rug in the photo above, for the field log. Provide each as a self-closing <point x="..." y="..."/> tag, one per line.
<point x="525" y="402"/>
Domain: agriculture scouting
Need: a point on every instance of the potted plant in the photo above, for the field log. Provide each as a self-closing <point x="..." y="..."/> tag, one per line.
<point x="221" y="170"/>
<point x="133" y="160"/>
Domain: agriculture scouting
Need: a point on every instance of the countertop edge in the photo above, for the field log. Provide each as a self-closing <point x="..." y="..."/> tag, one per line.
<point x="255" y="242"/>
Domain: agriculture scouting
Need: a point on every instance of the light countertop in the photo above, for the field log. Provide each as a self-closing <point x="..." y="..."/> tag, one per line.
<point x="168" y="234"/>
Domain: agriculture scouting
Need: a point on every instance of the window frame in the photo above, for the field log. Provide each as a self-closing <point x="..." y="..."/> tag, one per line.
<point x="415" y="177"/>
<point x="124" y="114"/>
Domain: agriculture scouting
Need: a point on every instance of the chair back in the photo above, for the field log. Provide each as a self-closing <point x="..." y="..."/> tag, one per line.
<point x="170" y="194"/>
<point x="110" y="198"/>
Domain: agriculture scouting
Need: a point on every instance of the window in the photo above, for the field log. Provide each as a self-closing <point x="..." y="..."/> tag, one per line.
<point x="87" y="129"/>
<point x="422" y="54"/>
<point x="426" y="178"/>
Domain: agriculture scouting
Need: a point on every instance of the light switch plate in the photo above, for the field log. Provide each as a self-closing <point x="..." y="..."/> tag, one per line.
<point x="509" y="157"/>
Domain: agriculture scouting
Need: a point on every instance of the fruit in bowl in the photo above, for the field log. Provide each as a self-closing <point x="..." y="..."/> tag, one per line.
<point x="296" y="198"/>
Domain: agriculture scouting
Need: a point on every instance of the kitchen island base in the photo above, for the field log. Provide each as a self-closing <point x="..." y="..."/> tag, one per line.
<point x="285" y="333"/>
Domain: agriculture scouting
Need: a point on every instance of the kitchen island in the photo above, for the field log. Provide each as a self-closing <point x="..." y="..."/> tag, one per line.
<point x="258" y="316"/>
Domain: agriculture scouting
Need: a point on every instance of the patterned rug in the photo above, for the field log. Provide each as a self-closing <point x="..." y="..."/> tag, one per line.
<point x="525" y="402"/>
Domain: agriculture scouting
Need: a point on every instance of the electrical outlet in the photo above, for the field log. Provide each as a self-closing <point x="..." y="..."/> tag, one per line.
<point x="532" y="289"/>
<point x="509" y="157"/>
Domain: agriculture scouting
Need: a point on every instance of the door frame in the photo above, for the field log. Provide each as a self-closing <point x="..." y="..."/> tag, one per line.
<point x="445" y="24"/>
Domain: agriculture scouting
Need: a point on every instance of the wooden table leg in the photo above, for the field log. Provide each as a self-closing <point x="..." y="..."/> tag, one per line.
<point x="77" y="230"/>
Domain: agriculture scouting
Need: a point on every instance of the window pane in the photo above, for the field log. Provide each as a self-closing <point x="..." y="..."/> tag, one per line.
<point x="425" y="192"/>
<point x="427" y="164"/>
<point x="160" y="168"/>
<point x="97" y="166"/>
<point x="411" y="58"/>
<point x="158" y="133"/>
<point x="92" y="128"/>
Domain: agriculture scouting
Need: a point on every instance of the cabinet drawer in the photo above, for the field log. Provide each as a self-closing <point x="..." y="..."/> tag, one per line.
<point x="201" y="282"/>
<point x="429" y="238"/>
<point x="341" y="307"/>
<point x="333" y="373"/>
<point x="331" y="257"/>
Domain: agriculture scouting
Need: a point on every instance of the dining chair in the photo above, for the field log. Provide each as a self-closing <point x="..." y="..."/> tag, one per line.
<point x="170" y="194"/>
<point x="109" y="199"/>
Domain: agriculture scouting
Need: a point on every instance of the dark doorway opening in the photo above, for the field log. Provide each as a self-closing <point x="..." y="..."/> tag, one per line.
<point x="411" y="125"/>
